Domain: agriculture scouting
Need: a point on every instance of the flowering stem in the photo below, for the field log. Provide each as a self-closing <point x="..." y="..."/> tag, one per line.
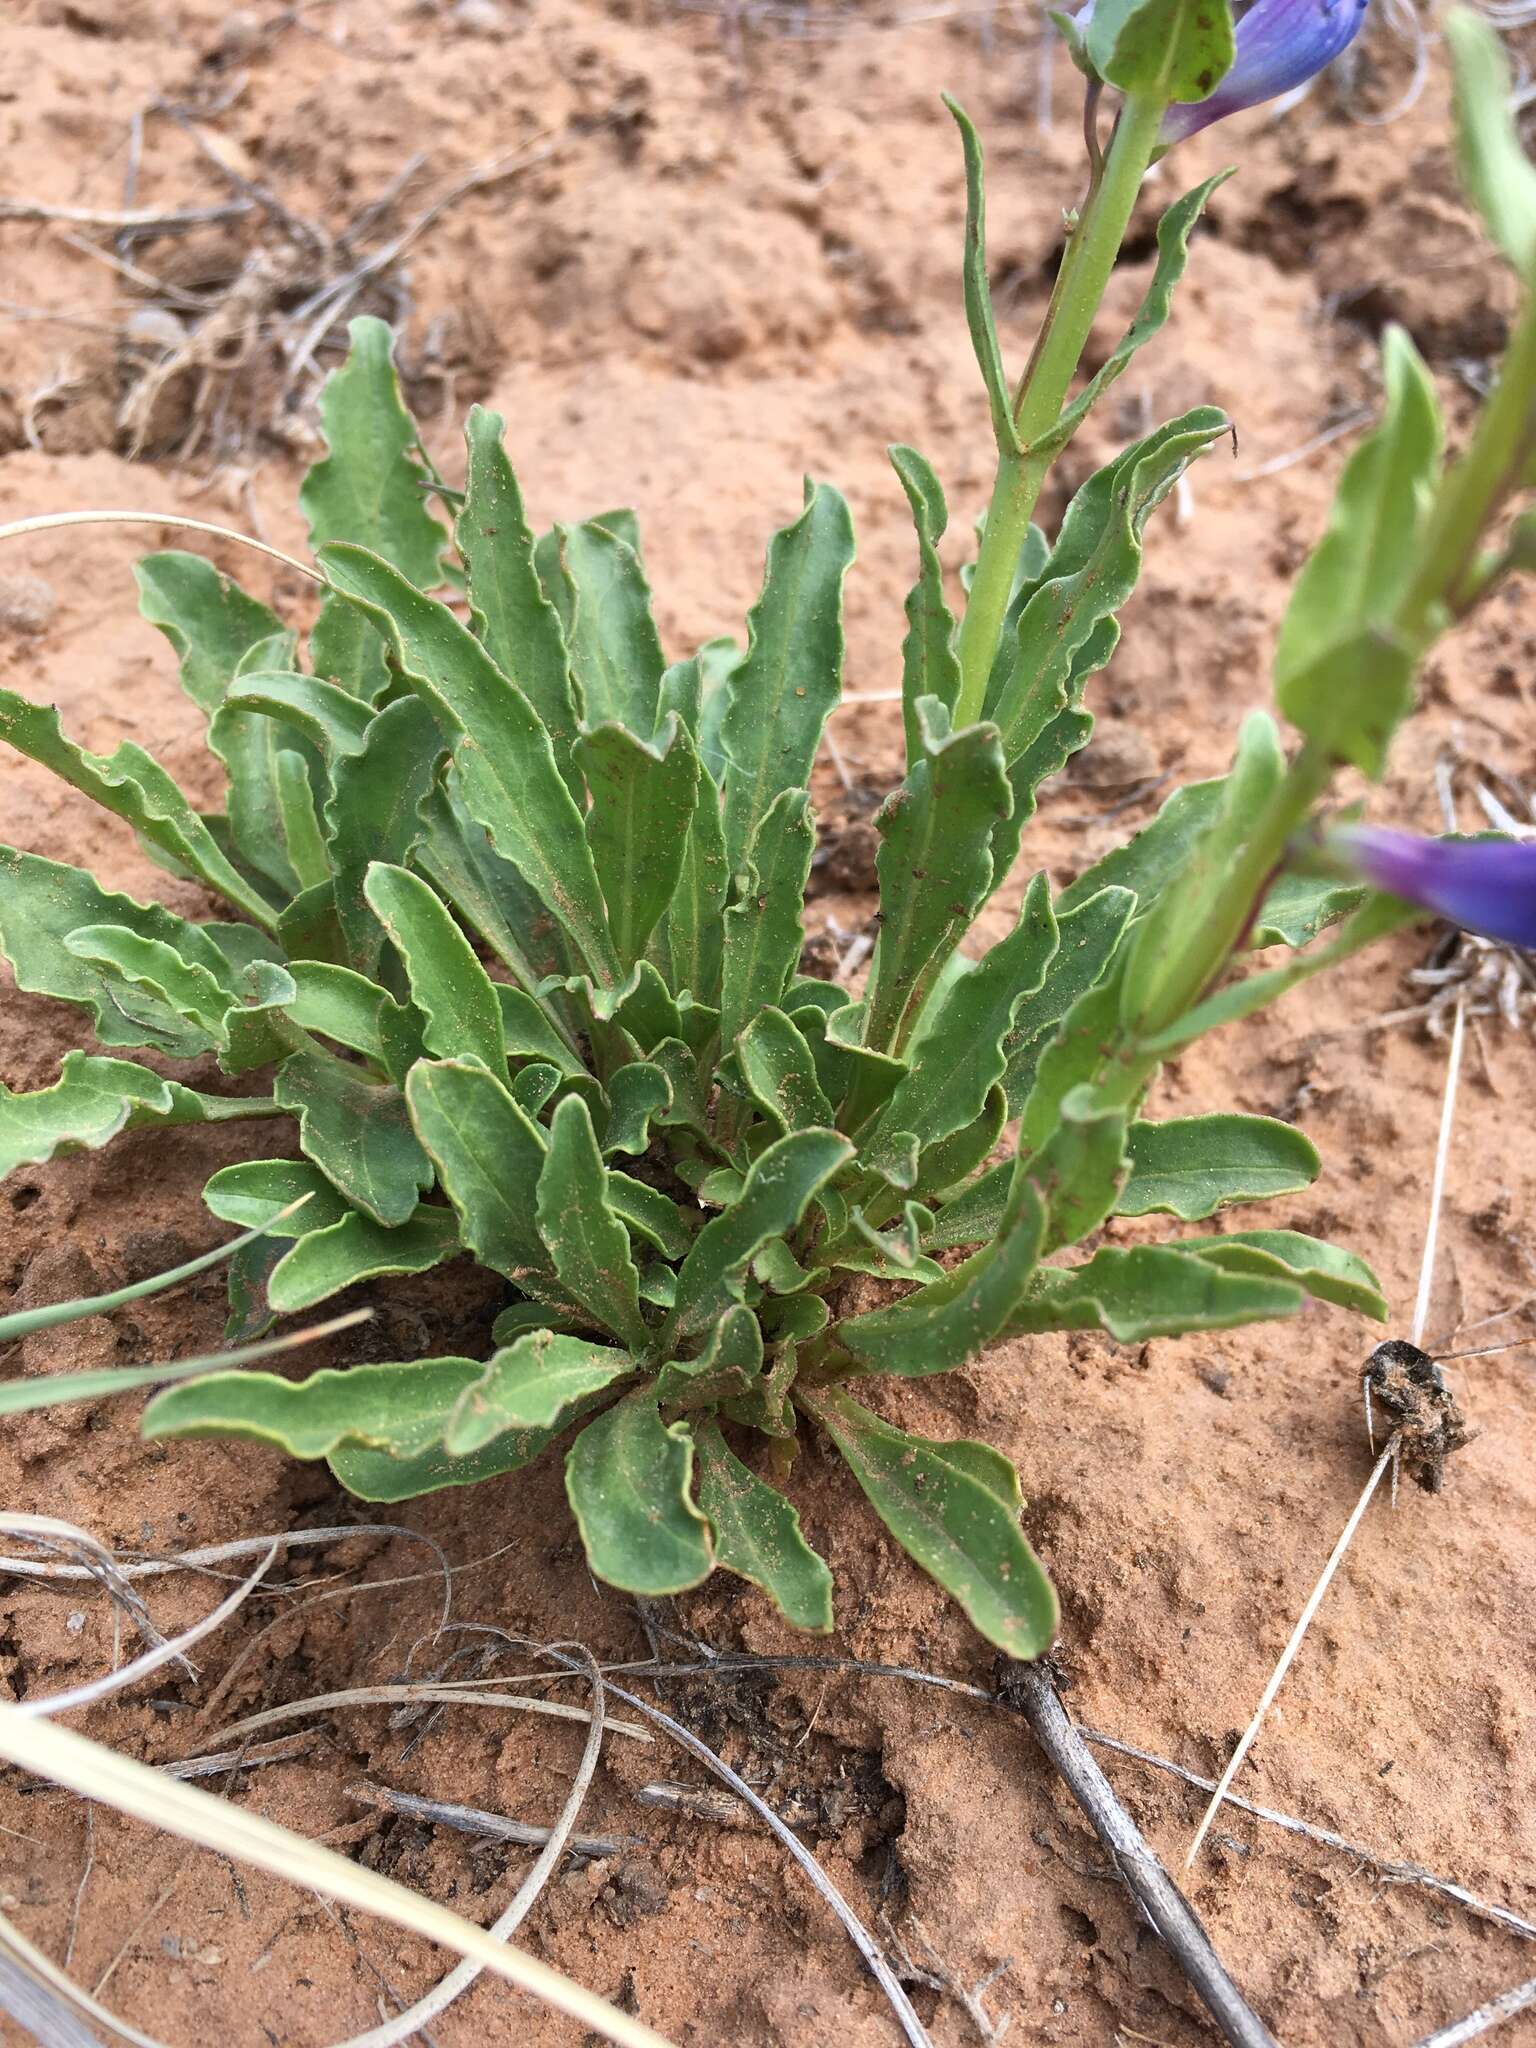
<point x="1085" y="271"/>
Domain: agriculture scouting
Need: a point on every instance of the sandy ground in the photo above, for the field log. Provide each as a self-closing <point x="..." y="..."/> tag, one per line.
<point x="732" y="258"/>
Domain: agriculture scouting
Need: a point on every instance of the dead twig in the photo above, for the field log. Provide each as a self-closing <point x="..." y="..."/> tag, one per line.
<point x="140" y="219"/>
<point x="1505" y="2007"/>
<point x="1029" y="1689"/>
<point x="474" y="1820"/>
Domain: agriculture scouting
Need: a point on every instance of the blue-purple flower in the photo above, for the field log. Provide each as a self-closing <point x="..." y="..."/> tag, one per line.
<point x="1280" y="45"/>
<point x="1486" y="885"/>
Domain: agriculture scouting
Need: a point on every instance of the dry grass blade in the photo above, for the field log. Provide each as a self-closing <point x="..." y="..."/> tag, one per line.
<point x="134" y="219"/>
<point x="92" y="1560"/>
<point x="1505" y="2007"/>
<point x="428" y="1694"/>
<point x="174" y="1650"/>
<point x="136" y="1789"/>
<point x="1387" y="1458"/>
<point x="474" y="1820"/>
<point x="15" y="1946"/>
<point x="42" y="522"/>
<point x="47" y="2017"/>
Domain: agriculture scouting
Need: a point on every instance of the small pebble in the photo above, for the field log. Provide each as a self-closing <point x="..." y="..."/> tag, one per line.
<point x="75" y="1622"/>
<point x="155" y="327"/>
<point x="27" y="604"/>
<point x="479" y="17"/>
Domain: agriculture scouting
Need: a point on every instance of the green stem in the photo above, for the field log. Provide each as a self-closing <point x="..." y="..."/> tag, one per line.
<point x="1085" y="271"/>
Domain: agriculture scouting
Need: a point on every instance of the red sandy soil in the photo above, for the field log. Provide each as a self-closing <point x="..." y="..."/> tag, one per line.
<point x="740" y="263"/>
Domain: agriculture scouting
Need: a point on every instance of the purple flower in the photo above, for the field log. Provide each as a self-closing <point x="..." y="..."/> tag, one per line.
<point x="1280" y="45"/>
<point x="1487" y="885"/>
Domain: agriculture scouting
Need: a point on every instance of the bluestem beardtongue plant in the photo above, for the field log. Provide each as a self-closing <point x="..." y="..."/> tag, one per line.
<point x="1280" y="44"/>
<point x="511" y="919"/>
<point x="1485" y="885"/>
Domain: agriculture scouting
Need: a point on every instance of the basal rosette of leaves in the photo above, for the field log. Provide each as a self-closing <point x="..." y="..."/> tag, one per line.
<point x="513" y="927"/>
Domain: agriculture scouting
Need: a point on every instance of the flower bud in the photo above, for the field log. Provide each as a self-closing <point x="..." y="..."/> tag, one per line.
<point x="1280" y="45"/>
<point x="1485" y="885"/>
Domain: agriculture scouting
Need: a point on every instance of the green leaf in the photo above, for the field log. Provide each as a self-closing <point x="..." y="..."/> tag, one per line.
<point x="43" y="901"/>
<point x="949" y="1321"/>
<point x="1081" y="1169"/>
<point x="763" y="928"/>
<point x="780" y="1069"/>
<point x="1340" y="674"/>
<point x="253" y="1193"/>
<point x="207" y="618"/>
<point x="518" y="625"/>
<point x="357" y="1133"/>
<point x="149" y="964"/>
<point x="975" y="1214"/>
<point x="355" y="1248"/>
<point x="1494" y="166"/>
<point x="690" y="941"/>
<point x="935" y="865"/>
<point x="368" y="489"/>
<point x="586" y="1240"/>
<point x="649" y="1214"/>
<point x="47" y="1390"/>
<point x="134" y="786"/>
<point x="1298" y="907"/>
<point x="374" y="1475"/>
<point x="335" y="723"/>
<point x="779" y="1186"/>
<point x="511" y="783"/>
<point x="375" y="813"/>
<point x="1146" y="864"/>
<point x="628" y="1477"/>
<point x="960" y="1055"/>
<point x="341" y="1004"/>
<point x="930" y="666"/>
<point x="954" y="1507"/>
<point x="1149" y="1291"/>
<point x="1173" y="233"/>
<point x="778" y="699"/>
<point x="1164" y="49"/>
<point x="1092" y="571"/>
<point x="297" y="820"/>
<point x="1325" y="1270"/>
<point x="488" y="1156"/>
<point x="1192" y="1166"/>
<point x="399" y="1409"/>
<point x="448" y="985"/>
<point x="758" y="1535"/>
<point x="978" y="287"/>
<point x="615" y="656"/>
<point x="729" y="1368"/>
<point x="489" y="893"/>
<point x="643" y="800"/>
<point x="636" y="1093"/>
<point x="1089" y="937"/>
<point x="950" y="1160"/>
<point x="93" y="1100"/>
<point x="539" y="1382"/>
<point x="529" y="1034"/>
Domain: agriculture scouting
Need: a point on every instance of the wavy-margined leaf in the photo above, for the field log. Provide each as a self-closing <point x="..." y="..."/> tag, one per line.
<point x="628" y="1477"/>
<point x="448" y="985"/>
<point x="644" y="795"/>
<point x="778" y="699"/>
<point x="1149" y="1291"/>
<point x="354" y="1248"/>
<point x="93" y="1099"/>
<point x="1167" y="49"/>
<point x="298" y="819"/>
<point x="1093" y="570"/>
<point x="375" y="1475"/>
<point x="779" y="1067"/>
<point x="529" y="1033"/>
<point x="651" y="1215"/>
<point x="978" y="286"/>
<point x="43" y="901"/>
<point x="374" y="813"/>
<point x="1341" y="675"/>
<point x="489" y="1156"/>
<point x="729" y="1368"/>
<point x="134" y="786"/>
<point x="960" y="1055"/>
<point x="929" y="664"/>
<point x="368" y="489"/>
<point x="779" y="1185"/>
<point x="689" y="942"/>
<point x="400" y="1409"/>
<point x="600" y="591"/>
<point x="1326" y="1271"/>
<point x="1173" y="233"/>
<point x="1146" y="864"/>
<point x="1196" y="905"/>
<point x="1495" y="168"/>
<point x="758" y="1534"/>
<point x="948" y="1161"/>
<point x="489" y="893"/>
<point x="948" y="1321"/>
<point x="333" y="721"/>
<point x="339" y="1003"/>
<point x="636" y="1093"/>
<point x="1081" y="1168"/>
<point x="214" y="628"/>
<point x="513" y="617"/>
<point x="510" y="781"/>
<point x="935" y="864"/>
<point x="357" y="1132"/>
<point x="542" y="1381"/>
<point x="954" y="1507"/>
<point x="850" y="1072"/>
<point x="184" y="986"/>
<point x="587" y="1243"/>
<point x="1192" y="1166"/>
<point x="763" y="928"/>
<point x="1298" y="907"/>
